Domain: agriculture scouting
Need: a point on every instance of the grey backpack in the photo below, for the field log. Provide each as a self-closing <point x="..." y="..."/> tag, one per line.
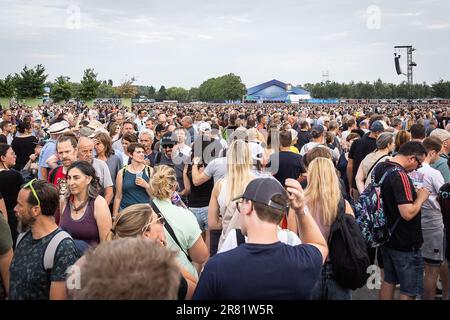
<point x="52" y="247"/>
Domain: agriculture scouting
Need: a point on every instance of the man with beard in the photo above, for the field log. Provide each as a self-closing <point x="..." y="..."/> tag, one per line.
<point x="66" y="148"/>
<point x="176" y="161"/>
<point x="44" y="251"/>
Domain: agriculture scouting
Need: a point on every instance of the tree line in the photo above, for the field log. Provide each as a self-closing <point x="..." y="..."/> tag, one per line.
<point x="31" y="83"/>
<point x="378" y="90"/>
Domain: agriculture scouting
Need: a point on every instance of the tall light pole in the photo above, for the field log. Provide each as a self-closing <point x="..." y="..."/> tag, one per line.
<point x="410" y="64"/>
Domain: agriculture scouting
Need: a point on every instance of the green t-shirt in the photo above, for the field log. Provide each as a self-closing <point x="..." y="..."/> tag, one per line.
<point x="442" y="166"/>
<point x="185" y="227"/>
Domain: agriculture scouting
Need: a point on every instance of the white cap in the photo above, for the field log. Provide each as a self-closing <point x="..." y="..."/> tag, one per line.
<point x="204" y="127"/>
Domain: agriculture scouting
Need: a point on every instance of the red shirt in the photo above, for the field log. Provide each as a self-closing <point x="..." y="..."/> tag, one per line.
<point x="59" y="180"/>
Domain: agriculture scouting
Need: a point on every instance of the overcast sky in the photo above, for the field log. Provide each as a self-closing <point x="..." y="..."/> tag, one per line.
<point x="184" y="42"/>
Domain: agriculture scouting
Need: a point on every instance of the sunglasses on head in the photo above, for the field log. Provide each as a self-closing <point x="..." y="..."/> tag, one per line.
<point x="30" y="185"/>
<point x="159" y="220"/>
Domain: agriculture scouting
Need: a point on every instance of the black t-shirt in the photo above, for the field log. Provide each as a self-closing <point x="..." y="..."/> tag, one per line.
<point x="200" y="195"/>
<point x="359" y="150"/>
<point x="303" y="138"/>
<point x="23" y="147"/>
<point x="397" y="189"/>
<point x="290" y="165"/>
<point x="10" y="183"/>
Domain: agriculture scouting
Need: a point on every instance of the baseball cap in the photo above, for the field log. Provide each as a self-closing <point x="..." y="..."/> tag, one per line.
<point x="262" y="190"/>
<point x="441" y="134"/>
<point x="317" y="130"/>
<point x="167" y="139"/>
<point x="204" y="127"/>
<point x="377" y="126"/>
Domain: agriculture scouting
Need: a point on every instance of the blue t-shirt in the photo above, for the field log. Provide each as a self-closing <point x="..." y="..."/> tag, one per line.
<point x="261" y="271"/>
<point x="47" y="151"/>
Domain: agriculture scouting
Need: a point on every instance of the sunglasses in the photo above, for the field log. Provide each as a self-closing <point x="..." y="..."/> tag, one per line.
<point x="167" y="146"/>
<point x="419" y="164"/>
<point x="30" y="185"/>
<point x="159" y="220"/>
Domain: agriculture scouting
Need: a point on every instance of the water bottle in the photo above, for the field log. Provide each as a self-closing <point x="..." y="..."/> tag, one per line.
<point x="176" y="200"/>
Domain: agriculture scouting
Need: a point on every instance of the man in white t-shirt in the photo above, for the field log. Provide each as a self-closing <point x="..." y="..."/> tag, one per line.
<point x="433" y="251"/>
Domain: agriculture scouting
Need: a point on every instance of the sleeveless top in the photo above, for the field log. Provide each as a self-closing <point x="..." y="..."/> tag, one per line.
<point x="132" y="193"/>
<point x="221" y="199"/>
<point x="85" y="228"/>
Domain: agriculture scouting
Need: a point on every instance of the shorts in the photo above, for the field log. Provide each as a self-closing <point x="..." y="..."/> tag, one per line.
<point x="404" y="268"/>
<point x="433" y="248"/>
<point x="202" y="217"/>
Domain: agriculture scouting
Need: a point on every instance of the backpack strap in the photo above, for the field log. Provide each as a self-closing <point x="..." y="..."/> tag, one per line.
<point x="240" y="238"/>
<point x="20" y="237"/>
<point x="376" y="162"/>
<point x="388" y="172"/>
<point x="169" y="229"/>
<point x="52" y="247"/>
<point x="340" y="216"/>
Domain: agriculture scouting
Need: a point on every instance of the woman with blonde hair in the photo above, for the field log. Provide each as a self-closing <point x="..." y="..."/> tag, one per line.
<point x="324" y="199"/>
<point x="140" y="221"/>
<point x="182" y="230"/>
<point x="222" y="210"/>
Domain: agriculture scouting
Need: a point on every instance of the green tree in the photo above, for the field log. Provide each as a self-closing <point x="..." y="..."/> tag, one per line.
<point x="106" y="91"/>
<point x="126" y="90"/>
<point x="232" y="87"/>
<point x="225" y="88"/>
<point x="162" y="94"/>
<point x="61" y="89"/>
<point x="151" y="92"/>
<point x="75" y="88"/>
<point x="30" y="82"/>
<point x="89" y="85"/>
<point x="177" y="93"/>
<point x="194" y="94"/>
<point x="441" y="89"/>
<point x="7" y="87"/>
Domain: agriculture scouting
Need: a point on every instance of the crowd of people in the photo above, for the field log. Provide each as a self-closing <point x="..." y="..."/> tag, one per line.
<point x="218" y="201"/>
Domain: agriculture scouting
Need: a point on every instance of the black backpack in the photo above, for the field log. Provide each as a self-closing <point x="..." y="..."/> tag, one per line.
<point x="348" y="251"/>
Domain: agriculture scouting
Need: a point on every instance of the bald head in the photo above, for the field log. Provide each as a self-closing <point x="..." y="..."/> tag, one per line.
<point x="86" y="149"/>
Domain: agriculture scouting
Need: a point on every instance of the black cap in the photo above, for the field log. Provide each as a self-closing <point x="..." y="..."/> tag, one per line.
<point x="262" y="190"/>
<point x="167" y="139"/>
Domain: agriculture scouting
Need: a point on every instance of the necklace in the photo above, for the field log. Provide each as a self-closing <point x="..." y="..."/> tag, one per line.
<point x="81" y="206"/>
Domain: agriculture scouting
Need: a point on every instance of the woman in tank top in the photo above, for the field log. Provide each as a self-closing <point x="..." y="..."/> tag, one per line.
<point x="132" y="182"/>
<point x="86" y="216"/>
<point x="221" y="207"/>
